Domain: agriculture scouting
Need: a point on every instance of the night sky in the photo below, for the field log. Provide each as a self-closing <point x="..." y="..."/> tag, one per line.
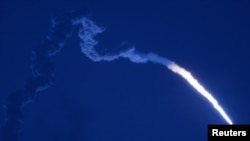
<point x="124" y="101"/>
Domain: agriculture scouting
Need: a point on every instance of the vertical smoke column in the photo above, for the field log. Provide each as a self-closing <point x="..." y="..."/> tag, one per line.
<point x="43" y="71"/>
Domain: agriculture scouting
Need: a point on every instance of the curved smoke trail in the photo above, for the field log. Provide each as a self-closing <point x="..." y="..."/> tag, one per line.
<point x="89" y="30"/>
<point x="43" y="68"/>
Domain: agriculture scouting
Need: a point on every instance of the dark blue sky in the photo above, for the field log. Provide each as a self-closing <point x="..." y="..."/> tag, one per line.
<point x="110" y="101"/>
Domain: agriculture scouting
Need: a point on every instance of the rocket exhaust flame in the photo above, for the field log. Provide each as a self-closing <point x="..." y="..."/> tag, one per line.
<point x="196" y="85"/>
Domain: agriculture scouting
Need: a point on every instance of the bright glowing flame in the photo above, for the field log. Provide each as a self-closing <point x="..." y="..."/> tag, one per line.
<point x="193" y="82"/>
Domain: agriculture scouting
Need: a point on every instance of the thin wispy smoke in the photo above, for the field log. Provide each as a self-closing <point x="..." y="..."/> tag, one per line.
<point x="89" y="30"/>
<point x="43" y="68"/>
<point x="43" y="77"/>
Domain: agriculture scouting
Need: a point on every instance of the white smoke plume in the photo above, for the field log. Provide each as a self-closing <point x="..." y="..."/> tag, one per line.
<point x="89" y="30"/>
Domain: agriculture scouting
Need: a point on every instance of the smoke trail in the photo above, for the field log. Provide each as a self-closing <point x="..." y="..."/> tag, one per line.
<point x="43" y="68"/>
<point x="89" y="30"/>
<point x="43" y="71"/>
